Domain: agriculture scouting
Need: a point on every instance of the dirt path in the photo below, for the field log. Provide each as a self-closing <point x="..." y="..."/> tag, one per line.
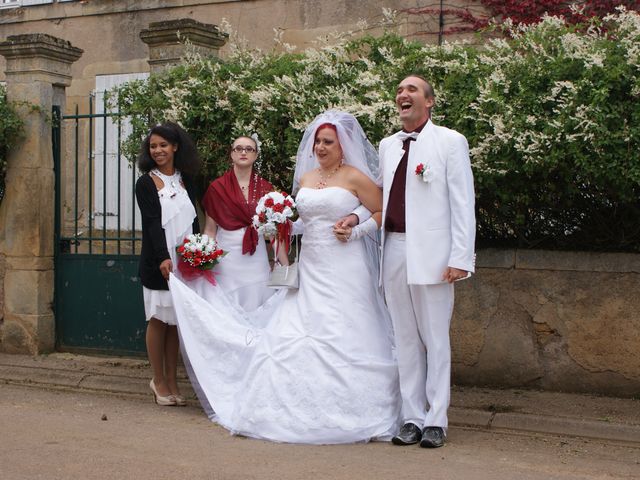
<point x="61" y="435"/>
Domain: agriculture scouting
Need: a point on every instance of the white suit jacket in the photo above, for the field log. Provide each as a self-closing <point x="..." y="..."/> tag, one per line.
<point x="440" y="214"/>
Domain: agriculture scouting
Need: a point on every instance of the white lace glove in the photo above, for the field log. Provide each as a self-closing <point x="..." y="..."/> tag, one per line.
<point x="298" y="227"/>
<point x="362" y="213"/>
<point x="363" y="229"/>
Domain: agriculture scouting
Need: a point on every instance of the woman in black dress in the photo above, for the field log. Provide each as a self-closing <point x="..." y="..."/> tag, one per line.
<point x="166" y="198"/>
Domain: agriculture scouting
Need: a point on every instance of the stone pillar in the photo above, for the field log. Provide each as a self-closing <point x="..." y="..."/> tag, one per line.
<point x="37" y="73"/>
<point x="169" y="41"/>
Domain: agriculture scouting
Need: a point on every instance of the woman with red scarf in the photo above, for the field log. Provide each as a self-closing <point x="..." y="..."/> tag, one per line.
<point x="230" y="203"/>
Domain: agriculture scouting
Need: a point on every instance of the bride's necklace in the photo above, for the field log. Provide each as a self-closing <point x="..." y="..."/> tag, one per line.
<point x="322" y="183"/>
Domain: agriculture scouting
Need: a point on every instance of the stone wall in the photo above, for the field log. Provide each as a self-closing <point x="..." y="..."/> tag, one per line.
<point x="38" y="71"/>
<point x="562" y="321"/>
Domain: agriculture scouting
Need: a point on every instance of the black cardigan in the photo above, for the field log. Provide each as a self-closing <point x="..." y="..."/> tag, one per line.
<point x="154" y="243"/>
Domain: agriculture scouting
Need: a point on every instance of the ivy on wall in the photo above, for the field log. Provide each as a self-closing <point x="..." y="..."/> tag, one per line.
<point x="11" y="128"/>
<point x="525" y="12"/>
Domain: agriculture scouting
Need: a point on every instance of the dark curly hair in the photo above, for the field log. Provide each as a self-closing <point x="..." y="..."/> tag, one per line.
<point x="186" y="158"/>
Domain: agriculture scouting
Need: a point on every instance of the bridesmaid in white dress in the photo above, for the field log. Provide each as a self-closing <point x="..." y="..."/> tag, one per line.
<point x="322" y="368"/>
<point x="230" y="203"/>
<point x="166" y="199"/>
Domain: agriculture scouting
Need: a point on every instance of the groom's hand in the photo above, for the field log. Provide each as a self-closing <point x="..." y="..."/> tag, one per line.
<point x="452" y="274"/>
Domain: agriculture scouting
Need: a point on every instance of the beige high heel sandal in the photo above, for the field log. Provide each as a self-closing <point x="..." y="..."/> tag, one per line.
<point x="168" y="401"/>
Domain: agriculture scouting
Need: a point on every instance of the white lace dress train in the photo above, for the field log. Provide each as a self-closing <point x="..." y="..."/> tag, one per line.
<point x="314" y="365"/>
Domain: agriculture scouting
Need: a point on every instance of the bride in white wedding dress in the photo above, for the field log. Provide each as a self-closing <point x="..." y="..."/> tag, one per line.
<point x="313" y="365"/>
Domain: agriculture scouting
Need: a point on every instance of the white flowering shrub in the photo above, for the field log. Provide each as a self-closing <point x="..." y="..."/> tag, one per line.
<point x="551" y="114"/>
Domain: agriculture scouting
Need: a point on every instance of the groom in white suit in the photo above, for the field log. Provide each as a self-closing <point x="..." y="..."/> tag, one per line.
<point x="428" y="237"/>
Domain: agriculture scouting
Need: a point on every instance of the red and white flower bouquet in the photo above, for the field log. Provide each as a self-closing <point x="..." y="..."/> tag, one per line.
<point x="274" y="215"/>
<point x="199" y="254"/>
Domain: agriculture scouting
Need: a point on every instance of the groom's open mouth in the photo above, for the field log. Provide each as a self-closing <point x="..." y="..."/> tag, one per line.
<point x="405" y="106"/>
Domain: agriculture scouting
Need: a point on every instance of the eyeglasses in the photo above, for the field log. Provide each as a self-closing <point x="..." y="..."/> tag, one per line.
<point x="239" y="149"/>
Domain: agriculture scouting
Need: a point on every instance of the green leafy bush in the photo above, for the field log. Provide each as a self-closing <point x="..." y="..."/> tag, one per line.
<point x="10" y="133"/>
<point x="551" y="114"/>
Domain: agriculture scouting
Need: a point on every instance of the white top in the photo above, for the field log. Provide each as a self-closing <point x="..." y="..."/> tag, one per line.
<point x="177" y="218"/>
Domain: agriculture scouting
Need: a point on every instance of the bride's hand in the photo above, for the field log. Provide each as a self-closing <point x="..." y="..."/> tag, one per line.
<point x="342" y="233"/>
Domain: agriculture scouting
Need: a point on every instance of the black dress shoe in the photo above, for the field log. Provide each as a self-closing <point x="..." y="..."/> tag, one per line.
<point x="409" y="434"/>
<point x="432" y="437"/>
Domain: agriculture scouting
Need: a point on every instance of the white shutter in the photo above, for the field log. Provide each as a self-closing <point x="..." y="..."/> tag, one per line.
<point x="35" y="2"/>
<point x="107" y="200"/>
<point x="26" y="3"/>
<point x="9" y="3"/>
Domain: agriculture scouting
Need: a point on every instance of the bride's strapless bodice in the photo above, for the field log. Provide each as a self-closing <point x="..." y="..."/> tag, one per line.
<point x="321" y="209"/>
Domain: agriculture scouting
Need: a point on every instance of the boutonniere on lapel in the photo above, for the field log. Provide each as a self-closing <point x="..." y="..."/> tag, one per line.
<point x="424" y="172"/>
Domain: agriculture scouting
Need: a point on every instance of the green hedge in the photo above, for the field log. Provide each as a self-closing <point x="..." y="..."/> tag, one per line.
<point x="11" y="129"/>
<point x="551" y="114"/>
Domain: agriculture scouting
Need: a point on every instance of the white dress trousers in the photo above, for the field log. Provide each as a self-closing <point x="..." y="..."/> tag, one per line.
<point x="421" y="317"/>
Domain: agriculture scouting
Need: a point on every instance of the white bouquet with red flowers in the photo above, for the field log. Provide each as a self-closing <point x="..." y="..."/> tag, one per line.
<point x="274" y="213"/>
<point x="199" y="254"/>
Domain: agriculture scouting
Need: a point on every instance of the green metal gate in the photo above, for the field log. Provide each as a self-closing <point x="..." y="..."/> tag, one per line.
<point x="98" y="296"/>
